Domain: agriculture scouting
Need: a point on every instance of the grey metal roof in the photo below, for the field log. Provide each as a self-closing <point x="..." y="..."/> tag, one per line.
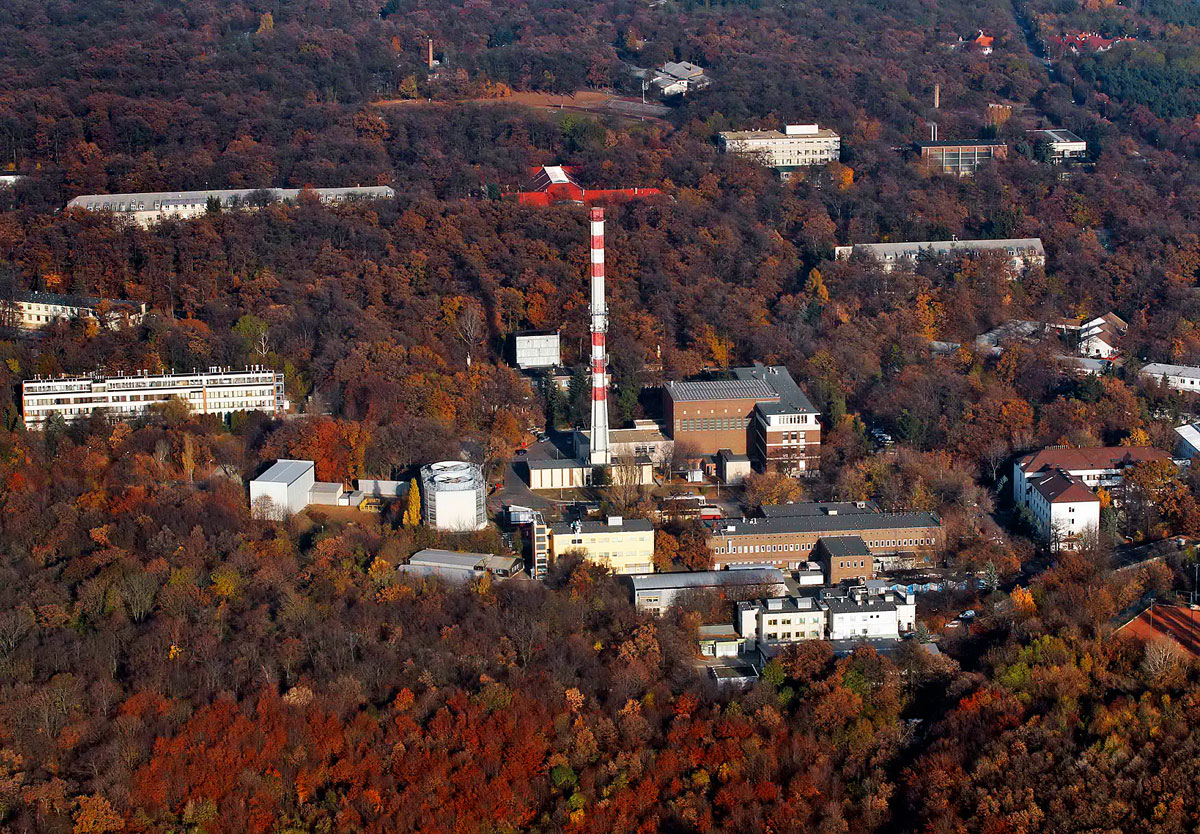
<point x="825" y="524"/>
<point x="285" y="471"/>
<point x="627" y="525"/>
<point x="808" y="508"/>
<point x="705" y="579"/>
<point x="777" y="377"/>
<point x="720" y="389"/>
<point x="848" y="605"/>
<point x="1163" y="369"/>
<point x="36" y="297"/>
<point x="763" y="383"/>
<point x="1058" y="134"/>
<point x="562" y="463"/>
<point x="839" y="546"/>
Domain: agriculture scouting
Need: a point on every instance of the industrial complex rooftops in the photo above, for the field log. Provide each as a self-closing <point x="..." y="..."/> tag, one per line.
<point x="706" y="578"/>
<point x="825" y="524"/>
<point x="791" y="398"/>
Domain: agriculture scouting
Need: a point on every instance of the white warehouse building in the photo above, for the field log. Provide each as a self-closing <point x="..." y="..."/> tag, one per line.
<point x="220" y="391"/>
<point x="283" y="489"/>
<point x="453" y="496"/>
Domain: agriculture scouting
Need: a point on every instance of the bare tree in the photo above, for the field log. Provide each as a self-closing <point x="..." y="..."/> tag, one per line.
<point x="470" y="327"/>
<point x="626" y="489"/>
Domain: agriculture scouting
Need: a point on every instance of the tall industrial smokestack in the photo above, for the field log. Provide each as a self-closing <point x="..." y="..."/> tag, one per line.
<point x="937" y="96"/>
<point x="430" y="56"/>
<point x="600" y="454"/>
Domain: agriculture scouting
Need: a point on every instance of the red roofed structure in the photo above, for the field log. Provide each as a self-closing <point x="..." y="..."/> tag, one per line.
<point x="1087" y="42"/>
<point x="555" y="184"/>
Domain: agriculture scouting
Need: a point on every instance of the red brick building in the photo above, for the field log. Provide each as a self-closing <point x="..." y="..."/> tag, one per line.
<point x="759" y="412"/>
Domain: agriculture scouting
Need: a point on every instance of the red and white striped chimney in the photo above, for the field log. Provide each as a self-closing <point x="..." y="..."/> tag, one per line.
<point x="600" y="454"/>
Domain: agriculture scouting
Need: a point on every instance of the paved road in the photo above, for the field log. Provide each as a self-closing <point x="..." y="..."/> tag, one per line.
<point x="515" y="489"/>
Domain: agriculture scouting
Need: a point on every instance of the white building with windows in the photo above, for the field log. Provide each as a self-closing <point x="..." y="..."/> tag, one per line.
<point x="1022" y="252"/>
<point x="857" y="614"/>
<point x="35" y="310"/>
<point x="780" y="620"/>
<point x="848" y="613"/>
<point x="794" y="147"/>
<point x="148" y="208"/>
<point x="1058" y="488"/>
<point x="1062" y="144"/>
<point x="1177" y="377"/>
<point x="219" y="391"/>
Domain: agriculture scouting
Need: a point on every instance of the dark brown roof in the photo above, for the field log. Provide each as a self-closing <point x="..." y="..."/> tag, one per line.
<point x="1094" y="457"/>
<point x="1057" y="487"/>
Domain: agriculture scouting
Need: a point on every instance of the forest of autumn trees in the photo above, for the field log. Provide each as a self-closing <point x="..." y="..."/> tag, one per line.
<point x="169" y="664"/>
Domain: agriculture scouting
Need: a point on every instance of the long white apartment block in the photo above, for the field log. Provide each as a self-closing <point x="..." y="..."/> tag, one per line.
<point x="796" y="146"/>
<point x="218" y="391"/>
<point x="147" y="208"/>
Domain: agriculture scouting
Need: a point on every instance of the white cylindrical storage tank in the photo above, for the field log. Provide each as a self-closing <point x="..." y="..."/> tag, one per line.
<point x="453" y="496"/>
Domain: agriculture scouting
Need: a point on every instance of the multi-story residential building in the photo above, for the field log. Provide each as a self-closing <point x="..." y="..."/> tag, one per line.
<point x="1061" y="144"/>
<point x="220" y="391"/>
<point x="853" y="613"/>
<point x="765" y="623"/>
<point x="1096" y="466"/>
<point x="845" y="558"/>
<point x="962" y="158"/>
<point x="619" y="544"/>
<point x="857" y="614"/>
<point x="536" y="349"/>
<point x="35" y="310"/>
<point x="1058" y="486"/>
<point x="789" y="542"/>
<point x="761" y="412"/>
<point x="654" y="593"/>
<point x="148" y="208"/>
<point x="1022" y="252"/>
<point x="1064" y="510"/>
<point x="1184" y="378"/>
<point x="788" y="150"/>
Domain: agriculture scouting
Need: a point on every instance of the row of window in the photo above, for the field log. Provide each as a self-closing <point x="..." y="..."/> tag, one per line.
<point x="712" y="424"/>
<point x="794" y="547"/>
